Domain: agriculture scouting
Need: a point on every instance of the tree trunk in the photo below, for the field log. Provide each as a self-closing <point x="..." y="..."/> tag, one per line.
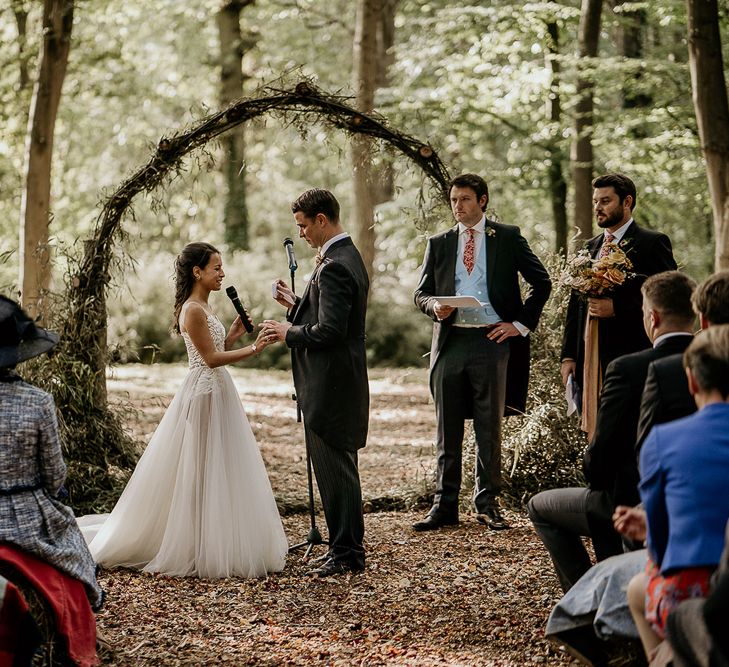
<point x="385" y="59"/>
<point x="364" y="83"/>
<point x="21" y="20"/>
<point x="35" y="260"/>
<point x="232" y="49"/>
<point x="582" y="143"/>
<point x="557" y="182"/>
<point x="712" y="114"/>
<point x="632" y="35"/>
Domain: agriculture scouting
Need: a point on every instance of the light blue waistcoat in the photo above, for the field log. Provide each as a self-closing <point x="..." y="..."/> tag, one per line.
<point x="475" y="285"/>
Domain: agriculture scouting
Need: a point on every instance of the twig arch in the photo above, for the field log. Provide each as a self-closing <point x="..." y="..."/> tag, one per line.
<point x="85" y="324"/>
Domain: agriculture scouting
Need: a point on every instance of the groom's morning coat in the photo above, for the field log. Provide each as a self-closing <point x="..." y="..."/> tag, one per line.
<point x="507" y="255"/>
<point x="327" y="338"/>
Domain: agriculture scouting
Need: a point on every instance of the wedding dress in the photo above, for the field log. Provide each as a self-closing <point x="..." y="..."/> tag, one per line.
<point x="199" y="501"/>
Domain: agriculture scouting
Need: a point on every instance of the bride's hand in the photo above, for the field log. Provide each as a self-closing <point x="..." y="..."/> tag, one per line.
<point x="264" y="339"/>
<point x="236" y="330"/>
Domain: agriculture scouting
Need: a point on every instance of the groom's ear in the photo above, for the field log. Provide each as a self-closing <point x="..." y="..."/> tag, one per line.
<point x="321" y="219"/>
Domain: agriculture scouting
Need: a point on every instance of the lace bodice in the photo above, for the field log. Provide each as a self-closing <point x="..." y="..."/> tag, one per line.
<point x="217" y="331"/>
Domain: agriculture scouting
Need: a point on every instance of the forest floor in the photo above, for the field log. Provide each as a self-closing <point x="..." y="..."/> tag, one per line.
<point x="460" y="596"/>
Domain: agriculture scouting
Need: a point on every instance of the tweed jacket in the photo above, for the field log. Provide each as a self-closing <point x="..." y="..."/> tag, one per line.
<point x="32" y="472"/>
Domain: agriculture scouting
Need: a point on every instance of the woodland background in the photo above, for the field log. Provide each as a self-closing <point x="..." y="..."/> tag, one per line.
<point x="537" y="97"/>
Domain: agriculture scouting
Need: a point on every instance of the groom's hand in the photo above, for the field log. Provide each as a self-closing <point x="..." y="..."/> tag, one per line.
<point x="276" y="329"/>
<point x="282" y="294"/>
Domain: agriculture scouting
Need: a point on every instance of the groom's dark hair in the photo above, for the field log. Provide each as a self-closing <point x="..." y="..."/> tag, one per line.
<point x="317" y="200"/>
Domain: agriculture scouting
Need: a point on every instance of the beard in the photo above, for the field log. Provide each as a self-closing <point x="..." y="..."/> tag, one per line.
<point x="610" y="220"/>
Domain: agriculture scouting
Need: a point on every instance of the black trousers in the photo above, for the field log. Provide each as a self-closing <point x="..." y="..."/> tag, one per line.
<point x="337" y="477"/>
<point x="469" y="380"/>
<point x="562" y="517"/>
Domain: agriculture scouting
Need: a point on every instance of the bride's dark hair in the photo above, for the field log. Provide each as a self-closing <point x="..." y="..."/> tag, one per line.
<point x="192" y="255"/>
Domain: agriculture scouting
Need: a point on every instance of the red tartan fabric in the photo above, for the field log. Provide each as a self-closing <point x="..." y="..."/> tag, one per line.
<point x="67" y="598"/>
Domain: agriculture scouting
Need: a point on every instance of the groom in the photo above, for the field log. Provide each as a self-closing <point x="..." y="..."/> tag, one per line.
<point x="326" y="333"/>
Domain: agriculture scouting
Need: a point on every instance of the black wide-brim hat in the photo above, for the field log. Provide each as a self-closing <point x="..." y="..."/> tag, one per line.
<point x="20" y="338"/>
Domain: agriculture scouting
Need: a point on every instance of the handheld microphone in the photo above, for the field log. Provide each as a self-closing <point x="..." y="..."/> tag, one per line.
<point x="289" y="246"/>
<point x="233" y="296"/>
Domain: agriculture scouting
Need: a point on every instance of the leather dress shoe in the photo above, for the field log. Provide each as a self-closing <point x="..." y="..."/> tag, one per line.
<point x="332" y="567"/>
<point x="435" y="521"/>
<point x="492" y="518"/>
<point x="321" y="559"/>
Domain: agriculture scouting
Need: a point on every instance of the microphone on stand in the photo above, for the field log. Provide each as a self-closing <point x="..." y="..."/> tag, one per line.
<point x="233" y="296"/>
<point x="289" y="247"/>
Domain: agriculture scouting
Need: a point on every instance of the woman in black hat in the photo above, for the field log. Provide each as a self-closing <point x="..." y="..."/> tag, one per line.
<point x="32" y="470"/>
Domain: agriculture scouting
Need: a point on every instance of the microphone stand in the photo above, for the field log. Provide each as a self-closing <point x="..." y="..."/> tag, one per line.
<point x="314" y="537"/>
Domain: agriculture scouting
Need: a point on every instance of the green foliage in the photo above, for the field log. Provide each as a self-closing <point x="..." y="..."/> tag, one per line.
<point x="396" y="336"/>
<point x="543" y="449"/>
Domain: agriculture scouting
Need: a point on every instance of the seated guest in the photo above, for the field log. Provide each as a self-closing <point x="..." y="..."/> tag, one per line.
<point x="593" y="619"/>
<point x="596" y="607"/>
<point x="562" y="516"/>
<point x="697" y="628"/>
<point x="684" y="466"/>
<point x="32" y="470"/>
<point x="666" y="396"/>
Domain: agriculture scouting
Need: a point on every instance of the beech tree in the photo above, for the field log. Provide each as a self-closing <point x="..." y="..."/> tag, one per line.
<point x="232" y="50"/>
<point x="712" y="114"/>
<point x="374" y="30"/>
<point x="35" y="259"/>
<point x="582" y="157"/>
<point x="557" y="181"/>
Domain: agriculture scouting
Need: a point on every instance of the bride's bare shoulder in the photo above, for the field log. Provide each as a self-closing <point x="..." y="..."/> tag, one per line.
<point x="192" y="313"/>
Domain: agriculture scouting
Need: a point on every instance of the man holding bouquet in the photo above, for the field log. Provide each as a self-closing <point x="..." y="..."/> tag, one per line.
<point x="612" y="323"/>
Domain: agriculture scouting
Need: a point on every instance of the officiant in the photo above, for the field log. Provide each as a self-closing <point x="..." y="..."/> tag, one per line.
<point x="479" y="358"/>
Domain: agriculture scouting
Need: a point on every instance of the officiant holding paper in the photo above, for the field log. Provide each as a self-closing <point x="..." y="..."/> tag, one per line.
<point x="479" y="358"/>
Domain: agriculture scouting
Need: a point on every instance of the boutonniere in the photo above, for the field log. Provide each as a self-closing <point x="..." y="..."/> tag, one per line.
<point x="490" y="231"/>
<point x="623" y="243"/>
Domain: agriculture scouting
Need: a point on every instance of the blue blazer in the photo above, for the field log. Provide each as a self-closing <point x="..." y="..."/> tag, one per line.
<point x="684" y="468"/>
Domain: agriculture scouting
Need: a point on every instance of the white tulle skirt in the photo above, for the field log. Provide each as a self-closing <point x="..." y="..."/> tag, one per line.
<point x="199" y="502"/>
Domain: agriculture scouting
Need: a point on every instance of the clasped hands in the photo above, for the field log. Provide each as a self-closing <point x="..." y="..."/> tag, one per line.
<point x="631" y="522"/>
<point x="272" y="330"/>
<point x="498" y="332"/>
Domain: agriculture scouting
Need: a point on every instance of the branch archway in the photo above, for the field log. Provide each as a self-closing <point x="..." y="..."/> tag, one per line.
<point x="93" y="433"/>
<point x="85" y="323"/>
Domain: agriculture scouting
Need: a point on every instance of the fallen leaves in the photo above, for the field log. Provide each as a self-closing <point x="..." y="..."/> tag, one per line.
<point x="459" y="596"/>
<point x="462" y="596"/>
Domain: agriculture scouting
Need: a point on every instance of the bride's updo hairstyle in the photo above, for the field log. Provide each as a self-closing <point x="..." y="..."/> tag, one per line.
<point x="192" y="255"/>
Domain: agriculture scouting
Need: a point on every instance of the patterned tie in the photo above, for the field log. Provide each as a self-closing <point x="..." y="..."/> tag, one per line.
<point x="318" y="258"/>
<point x="605" y="250"/>
<point x="469" y="252"/>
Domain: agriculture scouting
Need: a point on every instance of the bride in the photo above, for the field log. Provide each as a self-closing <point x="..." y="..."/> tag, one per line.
<point x="199" y="502"/>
